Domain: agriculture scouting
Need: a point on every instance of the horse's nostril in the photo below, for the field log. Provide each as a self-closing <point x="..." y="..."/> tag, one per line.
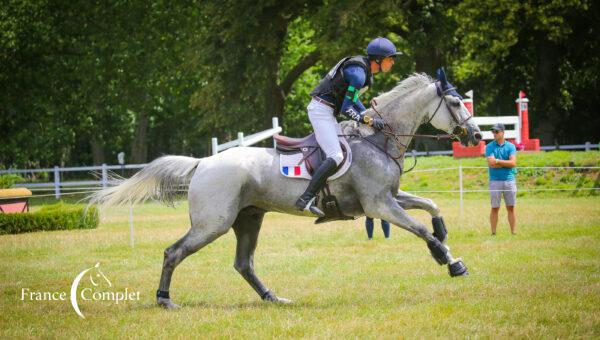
<point x="478" y="135"/>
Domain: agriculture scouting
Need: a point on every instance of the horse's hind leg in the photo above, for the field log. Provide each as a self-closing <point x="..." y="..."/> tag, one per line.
<point x="194" y="240"/>
<point x="246" y="227"/>
<point x="408" y="201"/>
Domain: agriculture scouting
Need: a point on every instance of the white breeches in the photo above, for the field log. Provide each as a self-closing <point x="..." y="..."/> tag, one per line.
<point x="326" y="130"/>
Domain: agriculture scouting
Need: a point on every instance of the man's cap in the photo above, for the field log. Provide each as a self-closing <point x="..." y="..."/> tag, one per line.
<point x="498" y="127"/>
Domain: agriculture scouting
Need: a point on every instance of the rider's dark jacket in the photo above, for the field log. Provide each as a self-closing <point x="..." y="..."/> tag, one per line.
<point x="335" y="83"/>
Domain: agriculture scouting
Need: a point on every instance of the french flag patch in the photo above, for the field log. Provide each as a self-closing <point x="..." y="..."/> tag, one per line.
<point x="295" y="171"/>
<point x="293" y="166"/>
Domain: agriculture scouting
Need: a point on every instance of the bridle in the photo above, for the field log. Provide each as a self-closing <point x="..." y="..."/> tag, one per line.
<point x="389" y="133"/>
<point x="459" y="130"/>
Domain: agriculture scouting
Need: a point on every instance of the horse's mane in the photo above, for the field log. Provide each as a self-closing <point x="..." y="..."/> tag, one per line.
<point x="414" y="82"/>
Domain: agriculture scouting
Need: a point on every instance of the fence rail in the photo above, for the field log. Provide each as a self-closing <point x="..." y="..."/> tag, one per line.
<point x="104" y="180"/>
<point x="248" y="140"/>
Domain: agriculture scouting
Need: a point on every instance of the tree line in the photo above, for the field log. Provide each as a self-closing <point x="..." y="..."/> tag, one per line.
<point x="82" y="81"/>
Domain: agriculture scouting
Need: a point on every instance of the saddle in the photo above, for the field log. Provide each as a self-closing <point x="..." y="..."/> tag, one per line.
<point x="300" y="157"/>
<point x="312" y="155"/>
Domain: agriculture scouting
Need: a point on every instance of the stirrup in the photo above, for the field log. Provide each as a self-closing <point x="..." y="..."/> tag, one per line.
<point x="311" y="206"/>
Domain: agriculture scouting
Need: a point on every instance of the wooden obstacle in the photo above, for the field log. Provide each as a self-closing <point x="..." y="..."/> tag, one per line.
<point x="518" y="135"/>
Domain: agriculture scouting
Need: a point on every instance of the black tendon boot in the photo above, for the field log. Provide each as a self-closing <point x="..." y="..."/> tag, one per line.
<point x="317" y="182"/>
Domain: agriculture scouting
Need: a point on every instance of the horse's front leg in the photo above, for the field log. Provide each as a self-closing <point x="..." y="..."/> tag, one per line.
<point x="408" y="201"/>
<point x="390" y="210"/>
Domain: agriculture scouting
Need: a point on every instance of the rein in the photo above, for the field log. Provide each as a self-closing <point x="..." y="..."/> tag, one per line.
<point x="390" y="134"/>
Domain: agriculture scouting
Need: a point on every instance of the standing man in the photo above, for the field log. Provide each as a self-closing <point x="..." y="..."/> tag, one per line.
<point x="502" y="158"/>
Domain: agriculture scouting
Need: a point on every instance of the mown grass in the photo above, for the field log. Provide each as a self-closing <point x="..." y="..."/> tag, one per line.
<point x="542" y="283"/>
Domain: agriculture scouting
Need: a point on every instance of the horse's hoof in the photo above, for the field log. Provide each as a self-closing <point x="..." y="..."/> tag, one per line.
<point x="279" y="300"/>
<point x="283" y="301"/>
<point x="166" y="303"/>
<point x="458" y="268"/>
<point x="270" y="297"/>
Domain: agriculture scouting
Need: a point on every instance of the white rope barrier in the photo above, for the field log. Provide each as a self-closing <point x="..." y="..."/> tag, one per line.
<point x="518" y="168"/>
<point x="487" y="190"/>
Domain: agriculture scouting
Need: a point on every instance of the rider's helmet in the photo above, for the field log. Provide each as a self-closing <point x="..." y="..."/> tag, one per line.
<point x="380" y="48"/>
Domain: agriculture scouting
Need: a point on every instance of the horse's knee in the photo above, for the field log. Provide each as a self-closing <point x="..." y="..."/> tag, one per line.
<point x="435" y="210"/>
<point x="242" y="267"/>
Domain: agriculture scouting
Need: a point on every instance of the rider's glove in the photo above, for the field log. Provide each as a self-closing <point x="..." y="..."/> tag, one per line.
<point x="378" y="123"/>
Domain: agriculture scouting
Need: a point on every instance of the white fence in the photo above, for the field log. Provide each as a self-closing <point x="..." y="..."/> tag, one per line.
<point x="514" y="133"/>
<point x="248" y="140"/>
<point x="59" y="185"/>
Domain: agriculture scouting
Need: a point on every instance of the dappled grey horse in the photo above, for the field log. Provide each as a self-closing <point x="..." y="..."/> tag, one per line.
<point x="235" y="188"/>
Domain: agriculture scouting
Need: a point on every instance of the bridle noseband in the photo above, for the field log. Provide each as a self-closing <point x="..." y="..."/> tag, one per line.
<point x="459" y="130"/>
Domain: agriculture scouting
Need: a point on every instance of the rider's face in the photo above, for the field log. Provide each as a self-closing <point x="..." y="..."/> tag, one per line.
<point x="386" y="64"/>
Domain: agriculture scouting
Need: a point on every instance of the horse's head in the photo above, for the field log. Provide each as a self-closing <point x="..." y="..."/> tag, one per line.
<point x="450" y="114"/>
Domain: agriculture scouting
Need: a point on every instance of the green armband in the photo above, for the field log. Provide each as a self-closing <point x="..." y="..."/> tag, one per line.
<point x="352" y="93"/>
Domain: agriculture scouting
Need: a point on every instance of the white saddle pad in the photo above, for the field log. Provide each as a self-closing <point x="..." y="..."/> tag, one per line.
<point x="293" y="165"/>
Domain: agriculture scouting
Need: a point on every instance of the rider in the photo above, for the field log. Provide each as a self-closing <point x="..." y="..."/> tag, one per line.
<point x="338" y="93"/>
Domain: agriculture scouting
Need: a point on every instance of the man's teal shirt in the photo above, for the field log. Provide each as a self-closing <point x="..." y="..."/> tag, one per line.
<point x="501" y="152"/>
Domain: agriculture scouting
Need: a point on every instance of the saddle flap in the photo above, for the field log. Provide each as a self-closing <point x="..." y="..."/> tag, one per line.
<point x="299" y="158"/>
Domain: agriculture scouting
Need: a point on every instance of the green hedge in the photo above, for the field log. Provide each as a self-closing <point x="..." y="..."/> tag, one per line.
<point x="59" y="216"/>
<point x="8" y="180"/>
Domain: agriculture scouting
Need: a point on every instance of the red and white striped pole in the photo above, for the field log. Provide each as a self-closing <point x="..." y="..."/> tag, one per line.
<point x="523" y="112"/>
<point x="469" y="102"/>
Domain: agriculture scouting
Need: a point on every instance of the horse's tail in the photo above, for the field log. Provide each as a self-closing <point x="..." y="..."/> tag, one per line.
<point x="163" y="179"/>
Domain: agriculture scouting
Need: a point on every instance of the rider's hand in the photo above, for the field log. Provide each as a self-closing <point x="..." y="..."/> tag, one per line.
<point x="378" y="123"/>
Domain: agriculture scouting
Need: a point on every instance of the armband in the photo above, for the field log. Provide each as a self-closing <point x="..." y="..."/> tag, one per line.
<point x="352" y="93"/>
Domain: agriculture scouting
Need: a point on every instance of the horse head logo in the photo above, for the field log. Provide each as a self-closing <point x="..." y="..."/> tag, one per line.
<point x="96" y="278"/>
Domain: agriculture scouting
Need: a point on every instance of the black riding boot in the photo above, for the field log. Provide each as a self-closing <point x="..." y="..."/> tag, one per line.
<point x="317" y="182"/>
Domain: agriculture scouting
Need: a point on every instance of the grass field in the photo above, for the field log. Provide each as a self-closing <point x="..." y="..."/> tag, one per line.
<point x="542" y="283"/>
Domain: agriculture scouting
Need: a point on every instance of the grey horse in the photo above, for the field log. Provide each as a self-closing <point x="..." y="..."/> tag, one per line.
<point x="235" y="188"/>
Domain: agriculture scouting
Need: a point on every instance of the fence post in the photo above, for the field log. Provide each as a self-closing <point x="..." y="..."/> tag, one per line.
<point x="56" y="182"/>
<point x="104" y="175"/>
<point x="215" y="145"/>
<point x="460" y="186"/>
<point x="588" y="146"/>
<point x="275" y="126"/>
<point x="240" y="138"/>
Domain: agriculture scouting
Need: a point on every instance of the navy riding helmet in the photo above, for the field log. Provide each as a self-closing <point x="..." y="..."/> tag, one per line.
<point x="380" y="48"/>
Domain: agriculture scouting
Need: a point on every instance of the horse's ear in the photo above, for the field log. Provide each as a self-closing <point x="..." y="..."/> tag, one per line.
<point x="441" y="76"/>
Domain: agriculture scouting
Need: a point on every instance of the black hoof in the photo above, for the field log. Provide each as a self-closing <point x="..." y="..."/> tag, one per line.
<point x="458" y="268"/>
